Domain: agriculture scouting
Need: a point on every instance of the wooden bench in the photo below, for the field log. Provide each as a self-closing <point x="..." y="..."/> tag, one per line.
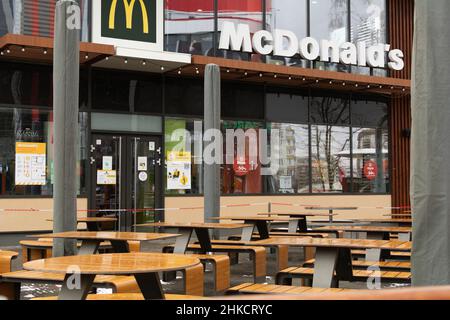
<point x="402" y="256"/>
<point x="382" y="265"/>
<point x="119" y="284"/>
<point x="127" y="297"/>
<point x="220" y="268"/>
<point x="286" y="276"/>
<point x="42" y="249"/>
<point x="6" y="260"/>
<point x="251" y="288"/>
<point x="257" y="256"/>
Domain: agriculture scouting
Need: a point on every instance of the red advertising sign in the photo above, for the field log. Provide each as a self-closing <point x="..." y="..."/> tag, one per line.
<point x="241" y="167"/>
<point x="370" y="170"/>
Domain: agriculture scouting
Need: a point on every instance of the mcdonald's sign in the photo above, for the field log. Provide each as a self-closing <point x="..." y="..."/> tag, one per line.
<point x="130" y="20"/>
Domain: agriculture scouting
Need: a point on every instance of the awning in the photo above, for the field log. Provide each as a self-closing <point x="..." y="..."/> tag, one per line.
<point x="280" y="75"/>
<point x="40" y="49"/>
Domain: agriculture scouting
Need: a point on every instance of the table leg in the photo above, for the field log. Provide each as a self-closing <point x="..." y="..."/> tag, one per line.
<point x="293" y="226"/>
<point x="182" y="242"/>
<point x="263" y="229"/>
<point x="89" y="247"/>
<point x="404" y="236"/>
<point x="120" y="246"/>
<point x="374" y="254"/>
<point x="344" y="266"/>
<point x="76" y="286"/>
<point x="204" y="239"/>
<point x="247" y="233"/>
<point x="303" y="225"/>
<point x="92" y="226"/>
<point x="324" y="267"/>
<point x="150" y="286"/>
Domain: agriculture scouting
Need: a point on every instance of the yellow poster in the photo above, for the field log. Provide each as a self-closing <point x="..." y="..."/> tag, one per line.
<point x="106" y="177"/>
<point x="30" y="164"/>
<point x="179" y="171"/>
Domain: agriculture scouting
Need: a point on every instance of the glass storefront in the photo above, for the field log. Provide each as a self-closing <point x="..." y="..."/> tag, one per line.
<point x="195" y="26"/>
<point x="327" y="142"/>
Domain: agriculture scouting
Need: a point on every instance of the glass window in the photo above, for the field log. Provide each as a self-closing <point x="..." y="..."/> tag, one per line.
<point x="184" y="97"/>
<point x="115" y="91"/>
<point x="248" y="12"/>
<point x="26" y="85"/>
<point x="329" y="109"/>
<point x="26" y="160"/>
<point x="369" y="113"/>
<point x="242" y="102"/>
<point x="243" y="176"/>
<point x="329" y="21"/>
<point x="287" y="15"/>
<point x="286" y="106"/>
<point x="189" y="26"/>
<point x="173" y="139"/>
<point x="330" y="161"/>
<point x="126" y="123"/>
<point x="292" y="154"/>
<point x="368" y="20"/>
<point x="370" y="160"/>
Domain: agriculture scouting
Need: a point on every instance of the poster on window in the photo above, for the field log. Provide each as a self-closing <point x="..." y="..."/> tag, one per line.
<point x="179" y="171"/>
<point x="30" y="164"/>
<point x="106" y="177"/>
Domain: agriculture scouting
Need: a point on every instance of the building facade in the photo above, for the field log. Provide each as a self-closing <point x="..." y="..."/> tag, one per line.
<point x="343" y="128"/>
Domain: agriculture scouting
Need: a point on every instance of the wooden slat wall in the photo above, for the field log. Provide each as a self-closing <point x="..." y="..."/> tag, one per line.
<point x="401" y="26"/>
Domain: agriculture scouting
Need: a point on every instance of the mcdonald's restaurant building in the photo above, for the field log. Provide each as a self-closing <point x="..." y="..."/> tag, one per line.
<point x="343" y="116"/>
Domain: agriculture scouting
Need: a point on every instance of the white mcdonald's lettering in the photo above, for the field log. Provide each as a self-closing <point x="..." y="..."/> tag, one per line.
<point x="129" y="9"/>
<point x="284" y="43"/>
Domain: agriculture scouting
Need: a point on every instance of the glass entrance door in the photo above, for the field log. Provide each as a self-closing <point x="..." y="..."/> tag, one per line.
<point x="126" y="178"/>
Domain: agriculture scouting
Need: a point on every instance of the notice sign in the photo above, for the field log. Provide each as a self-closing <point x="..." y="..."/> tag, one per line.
<point x="106" y="177"/>
<point x="30" y="164"/>
<point x="370" y="170"/>
<point x="179" y="171"/>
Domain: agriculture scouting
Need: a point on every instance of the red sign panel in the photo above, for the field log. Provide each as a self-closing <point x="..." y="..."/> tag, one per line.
<point x="241" y="167"/>
<point x="370" y="170"/>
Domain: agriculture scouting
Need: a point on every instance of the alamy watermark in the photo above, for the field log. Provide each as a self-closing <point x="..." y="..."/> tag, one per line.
<point x="248" y="147"/>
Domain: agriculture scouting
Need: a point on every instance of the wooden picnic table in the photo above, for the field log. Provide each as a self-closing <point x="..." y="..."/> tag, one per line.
<point x="93" y="223"/>
<point x="186" y="231"/>
<point x="393" y="222"/>
<point x="333" y="256"/>
<point x="90" y="241"/>
<point x="143" y="266"/>
<point x="373" y="233"/>
<point x="262" y="225"/>
<point x="303" y="223"/>
<point x="331" y="210"/>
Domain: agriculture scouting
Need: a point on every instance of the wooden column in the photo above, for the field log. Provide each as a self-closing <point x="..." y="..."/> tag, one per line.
<point x="401" y="23"/>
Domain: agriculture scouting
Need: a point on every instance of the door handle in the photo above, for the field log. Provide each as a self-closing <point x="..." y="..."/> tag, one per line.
<point x="92" y="160"/>
<point x="159" y="162"/>
<point x="159" y="150"/>
<point x="92" y="148"/>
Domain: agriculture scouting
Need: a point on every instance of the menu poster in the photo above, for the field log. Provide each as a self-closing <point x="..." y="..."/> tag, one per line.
<point x="30" y="164"/>
<point x="106" y="177"/>
<point x="179" y="171"/>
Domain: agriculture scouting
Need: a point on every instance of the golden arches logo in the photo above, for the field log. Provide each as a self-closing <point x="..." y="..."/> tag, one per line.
<point x="129" y="9"/>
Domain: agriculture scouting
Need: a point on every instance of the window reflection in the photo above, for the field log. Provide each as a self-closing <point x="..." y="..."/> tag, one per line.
<point x="237" y="11"/>
<point x="329" y="21"/>
<point x="292" y="175"/>
<point x="370" y="160"/>
<point x="288" y="15"/>
<point x="369" y="25"/>
<point x="189" y="26"/>
<point x="330" y="168"/>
